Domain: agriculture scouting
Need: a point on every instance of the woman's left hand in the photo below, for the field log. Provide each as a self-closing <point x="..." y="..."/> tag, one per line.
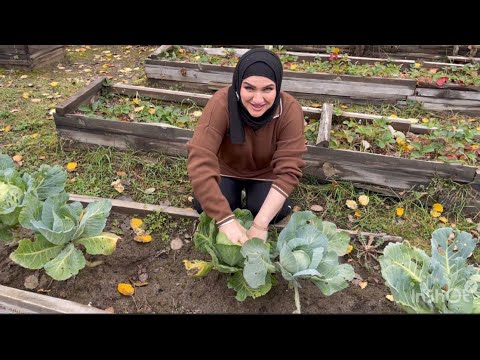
<point x="254" y="232"/>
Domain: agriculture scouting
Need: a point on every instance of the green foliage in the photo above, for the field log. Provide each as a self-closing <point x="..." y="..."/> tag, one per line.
<point x="442" y="283"/>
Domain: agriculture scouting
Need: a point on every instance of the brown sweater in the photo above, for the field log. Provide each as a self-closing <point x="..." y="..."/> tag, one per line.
<point x="274" y="152"/>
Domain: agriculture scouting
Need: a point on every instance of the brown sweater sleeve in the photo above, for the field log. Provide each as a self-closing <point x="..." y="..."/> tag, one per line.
<point x="202" y="165"/>
<point x="287" y="160"/>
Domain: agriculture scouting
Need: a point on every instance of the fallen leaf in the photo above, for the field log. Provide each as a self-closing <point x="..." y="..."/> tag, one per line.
<point x="363" y="284"/>
<point x="190" y="198"/>
<point x="316" y="208"/>
<point x="197" y="268"/>
<point x="149" y="190"/>
<point x="23" y="76"/>
<point x="297" y="208"/>
<point x="400" y="211"/>
<point x="139" y="283"/>
<point x="136" y="223"/>
<point x="121" y="173"/>
<point x="34" y="136"/>
<point x="138" y="109"/>
<point x="143" y="238"/>
<point x="389" y="297"/>
<point x="293" y="66"/>
<point x="316" y="105"/>
<point x="443" y="219"/>
<point x="117" y="185"/>
<point x="35" y="100"/>
<point x="197" y="113"/>
<point x="7" y="128"/>
<point x="125" y="289"/>
<point x="176" y="244"/>
<point x="434" y="213"/>
<point x="357" y="213"/>
<point x="349" y="249"/>
<point x="425" y="120"/>
<point x="71" y="166"/>
<point x="394" y="116"/>
<point x="17" y="158"/>
<point x="363" y="200"/>
<point x="26" y="95"/>
<point x="31" y="282"/>
<point x="442" y="80"/>
<point x="351" y="204"/>
<point x="151" y="111"/>
<point x="136" y="101"/>
<point x="437" y="207"/>
<point x="53" y="84"/>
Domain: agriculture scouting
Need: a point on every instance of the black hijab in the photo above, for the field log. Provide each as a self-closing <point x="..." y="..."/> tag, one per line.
<point x="255" y="62"/>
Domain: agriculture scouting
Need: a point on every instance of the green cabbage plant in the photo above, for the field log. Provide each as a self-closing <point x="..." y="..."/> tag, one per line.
<point x="440" y="283"/>
<point x="14" y="189"/>
<point x="60" y="229"/>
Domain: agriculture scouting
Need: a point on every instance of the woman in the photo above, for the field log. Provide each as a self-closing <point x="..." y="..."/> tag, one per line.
<point x="250" y="137"/>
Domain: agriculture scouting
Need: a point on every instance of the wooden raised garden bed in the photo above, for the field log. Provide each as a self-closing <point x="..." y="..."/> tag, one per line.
<point x="435" y="94"/>
<point x="30" y="56"/>
<point x="330" y="164"/>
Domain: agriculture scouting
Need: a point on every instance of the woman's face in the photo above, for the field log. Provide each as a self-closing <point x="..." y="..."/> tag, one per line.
<point x="257" y="94"/>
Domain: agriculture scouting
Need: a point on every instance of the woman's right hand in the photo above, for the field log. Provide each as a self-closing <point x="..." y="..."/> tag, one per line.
<point x="235" y="232"/>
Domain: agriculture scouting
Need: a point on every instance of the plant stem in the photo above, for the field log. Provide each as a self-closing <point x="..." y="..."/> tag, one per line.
<point x="297" y="300"/>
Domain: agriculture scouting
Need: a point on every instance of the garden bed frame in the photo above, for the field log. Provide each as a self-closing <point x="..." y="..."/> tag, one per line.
<point x="15" y="301"/>
<point x="30" y="56"/>
<point x="346" y="88"/>
<point x="372" y="171"/>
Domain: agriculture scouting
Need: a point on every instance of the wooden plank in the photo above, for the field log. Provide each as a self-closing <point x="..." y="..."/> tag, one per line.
<point x="158" y="131"/>
<point x="124" y="142"/>
<point x="381" y="170"/>
<point x="323" y="137"/>
<point x="79" y="97"/>
<point x="157" y="53"/>
<point x="131" y="207"/>
<point x="468" y="110"/>
<point x="464" y="59"/>
<point x="19" y="301"/>
<point x="300" y="86"/>
<point x="161" y="94"/>
<point x="444" y="101"/>
<point x="448" y="94"/>
<point x="183" y="66"/>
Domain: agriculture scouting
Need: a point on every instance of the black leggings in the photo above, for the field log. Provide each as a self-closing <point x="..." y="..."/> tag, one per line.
<point x="256" y="191"/>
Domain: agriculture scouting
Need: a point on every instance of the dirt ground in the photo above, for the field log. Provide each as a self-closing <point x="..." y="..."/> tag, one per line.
<point x="171" y="291"/>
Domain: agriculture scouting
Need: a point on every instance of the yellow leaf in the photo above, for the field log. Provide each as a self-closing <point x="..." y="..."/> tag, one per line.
<point x="336" y="51"/>
<point x="434" y="213"/>
<point x="425" y="120"/>
<point x="71" y="166"/>
<point x="357" y="213"/>
<point x="23" y="77"/>
<point x="181" y="51"/>
<point x="393" y="116"/>
<point x="197" y="268"/>
<point x="443" y="219"/>
<point x="26" y="95"/>
<point x="417" y="65"/>
<point x="363" y="284"/>
<point x="7" y="128"/>
<point x="349" y="249"/>
<point x="34" y="136"/>
<point x="293" y="66"/>
<point x="389" y="297"/>
<point x="400" y="141"/>
<point x="121" y="173"/>
<point x="35" y="100"/>
<point x="344" y="106"/>
<point x="53" y="84"/>
<point x="363" y="200"/>
<point x="438" y="207"/>
<point x="17" y="158"/>
<point x="351" y="204"/>
<point x="475" y="146"/>
<point x="140" y="108"/>
<point x="143" y="238"/>
<point x="151" y="111"/>
<point x="316" y="105"/>
<point x="136" y="101"/>
<point x="197" y="113"/>
<point x="136" y="223"/>
<point x="197" y="57"/>
<point x="400" y="211"/>
<point x="125" y="289"/>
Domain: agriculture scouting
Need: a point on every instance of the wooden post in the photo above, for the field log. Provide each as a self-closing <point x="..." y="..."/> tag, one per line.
<point x="323" y="138"/>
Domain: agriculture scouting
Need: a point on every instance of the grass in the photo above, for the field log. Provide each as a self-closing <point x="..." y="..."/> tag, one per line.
<point x="31" y="133"/>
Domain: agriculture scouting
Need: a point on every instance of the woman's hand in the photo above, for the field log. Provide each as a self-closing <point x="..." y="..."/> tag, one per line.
<point x="235" y="232"/>
<point x="257" y="232"/>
